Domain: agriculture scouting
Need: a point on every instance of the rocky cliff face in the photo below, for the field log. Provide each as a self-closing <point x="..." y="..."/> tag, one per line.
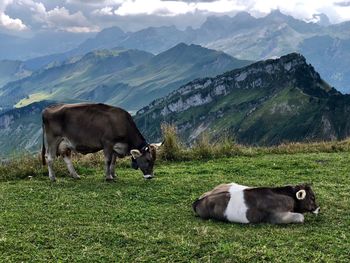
<point x="268" y="102"/>
<point x="20" y="129"/>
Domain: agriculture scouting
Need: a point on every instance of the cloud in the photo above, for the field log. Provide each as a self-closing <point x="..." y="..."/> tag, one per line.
<point x="10" y="23"/>
<point x="337" y="11"/>
<point x="105" y="11"/>
<point x="6" y="21"/>
<point x="58" y="18"/>
<point x="92" y="15"/>
<point x="95" y="3"/>
<point x="345" y="3"/>
<point x="172" y="8"/>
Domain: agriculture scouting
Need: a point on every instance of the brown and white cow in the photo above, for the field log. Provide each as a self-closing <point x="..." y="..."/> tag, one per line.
<point x="242" y="204"/>
<point x="88" y="128"/>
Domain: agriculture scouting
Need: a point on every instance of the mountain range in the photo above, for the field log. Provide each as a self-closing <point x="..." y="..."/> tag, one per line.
<point x="41" y="44"/>
<point x="242" y="36"/>
<point x="266" y="103"/>
<point x="128" y="78"/>
<point x="199" y="89"/>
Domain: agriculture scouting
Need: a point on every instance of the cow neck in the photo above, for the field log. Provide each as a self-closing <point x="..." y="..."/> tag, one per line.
<point x="142" y="145"/>
<point x="139" y="144"/>
<point x="286" y="190"/>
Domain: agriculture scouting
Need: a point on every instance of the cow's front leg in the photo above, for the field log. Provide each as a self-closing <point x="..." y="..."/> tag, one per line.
<point x="287" y="217"/>
<point x="112" y="166"/>
<point x="108" y="161"/>
<point x="67" y="159"/>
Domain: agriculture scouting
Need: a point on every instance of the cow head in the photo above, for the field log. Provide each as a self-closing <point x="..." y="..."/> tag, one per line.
<point x="306" y="199"/>
<point x="144" y="159"/>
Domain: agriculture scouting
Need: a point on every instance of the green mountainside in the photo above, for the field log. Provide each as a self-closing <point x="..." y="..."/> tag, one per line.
<point x="266" y="103"/>
<point x="127" y="78"/>
<point x="11" y="70"/>
<point x="62" y="81"/>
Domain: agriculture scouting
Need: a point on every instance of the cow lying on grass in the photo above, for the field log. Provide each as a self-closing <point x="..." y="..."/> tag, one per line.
<point x="242" y="204"/>
<point x="88" y="128"/>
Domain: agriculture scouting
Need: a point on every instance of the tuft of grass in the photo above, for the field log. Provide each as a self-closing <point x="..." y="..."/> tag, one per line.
<point x="202" y="148"/>
<point x="205" y="148"/>
<point x="172" y="147"/>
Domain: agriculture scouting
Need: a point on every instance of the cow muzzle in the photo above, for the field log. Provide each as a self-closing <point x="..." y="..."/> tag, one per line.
<point x="148" y="176"/>
<point x="316" y="211"/>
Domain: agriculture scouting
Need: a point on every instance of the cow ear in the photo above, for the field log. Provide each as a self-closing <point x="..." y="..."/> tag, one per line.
<point x="301" y="194"/>
<point x="135" y="153"/>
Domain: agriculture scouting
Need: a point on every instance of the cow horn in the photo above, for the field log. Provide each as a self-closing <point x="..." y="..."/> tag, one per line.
<point x="157" y="145"/>
<point x="301" y="194"/>
<point x="135" y="153"/>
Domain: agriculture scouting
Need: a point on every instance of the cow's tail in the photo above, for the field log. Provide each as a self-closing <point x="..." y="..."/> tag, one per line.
<point x="43" y="149"/>
<point x="195" y="204"/>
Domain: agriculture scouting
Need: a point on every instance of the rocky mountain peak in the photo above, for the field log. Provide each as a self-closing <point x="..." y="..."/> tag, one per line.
<point x="256" y="75"/>
<point x="267" y="102"/>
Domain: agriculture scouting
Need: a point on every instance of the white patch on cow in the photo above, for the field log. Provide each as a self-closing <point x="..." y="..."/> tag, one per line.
<point x="236" y="208"/>
<point x="121" y="148"/>
<point x="290" y="217"/>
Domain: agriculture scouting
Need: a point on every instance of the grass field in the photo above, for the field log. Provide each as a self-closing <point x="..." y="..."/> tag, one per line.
<point x="134" y="220"/>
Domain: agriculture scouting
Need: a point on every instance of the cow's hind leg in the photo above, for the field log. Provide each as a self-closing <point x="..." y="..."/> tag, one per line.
<point x="108" y="153"/>
<point x="287" y="217"/>
<point x="50" y="157"/>
<point x="66" y="153"/>
<point x="67" y="159"/>
<point x="112" y="166"/>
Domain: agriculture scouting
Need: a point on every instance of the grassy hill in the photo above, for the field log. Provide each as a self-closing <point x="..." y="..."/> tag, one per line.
<point x="134" y="220"/>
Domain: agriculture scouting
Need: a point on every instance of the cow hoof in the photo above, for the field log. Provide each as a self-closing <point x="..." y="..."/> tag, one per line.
<point x="148" y="176"/>
<point x="110" y="180"/>
<point x="77" y="177"/>
<point x="299" y="218"/>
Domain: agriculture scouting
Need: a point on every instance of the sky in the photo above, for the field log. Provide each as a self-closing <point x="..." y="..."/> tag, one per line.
<point x="82" y="16"/>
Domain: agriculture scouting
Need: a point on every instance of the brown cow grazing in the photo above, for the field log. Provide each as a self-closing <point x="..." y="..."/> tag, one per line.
<point x="88" y="128"/>
<point x="242" y="204"/>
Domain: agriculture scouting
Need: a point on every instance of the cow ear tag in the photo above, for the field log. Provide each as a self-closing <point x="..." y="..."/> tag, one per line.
<point x="301" y="194"/>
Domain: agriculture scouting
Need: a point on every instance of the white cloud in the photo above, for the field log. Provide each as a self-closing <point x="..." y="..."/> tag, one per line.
<point x="105" y="11"/>
<point x="96" y="3"/>
<point x="59" y="18"/>
<point x="90" y="15"/>
<point x="297" y="8"/>
<point x="172" y="8"/>
<point x="8" y="22"/>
